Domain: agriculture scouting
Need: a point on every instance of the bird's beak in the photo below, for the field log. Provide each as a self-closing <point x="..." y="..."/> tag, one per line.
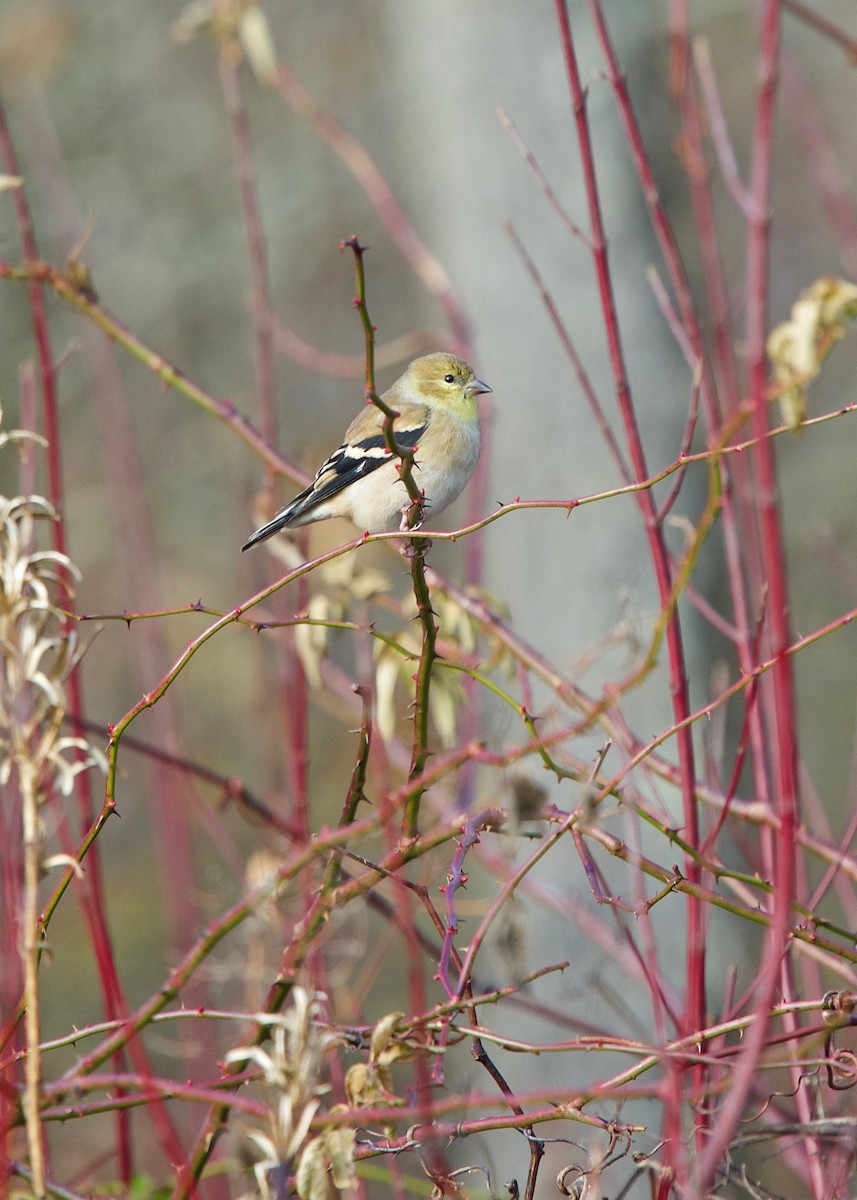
<point x="476" y="387"/>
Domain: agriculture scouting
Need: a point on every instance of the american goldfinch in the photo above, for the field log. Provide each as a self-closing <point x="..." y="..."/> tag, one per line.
<point x="438" y="420"/>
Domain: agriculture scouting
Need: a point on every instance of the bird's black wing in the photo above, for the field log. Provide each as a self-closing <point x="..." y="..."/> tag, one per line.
<point x="345" y="466"/>
<point x="352" y="462"/>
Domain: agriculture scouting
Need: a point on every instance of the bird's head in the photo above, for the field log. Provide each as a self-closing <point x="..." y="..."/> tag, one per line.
<point x="444" y="380"/>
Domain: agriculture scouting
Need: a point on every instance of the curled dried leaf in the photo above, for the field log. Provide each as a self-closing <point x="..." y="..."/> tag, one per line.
<point x="798" y="347"/>
<point x="383" y="1034"/>
<point x="357" y="1079"/>
<point x="38" y="649"/>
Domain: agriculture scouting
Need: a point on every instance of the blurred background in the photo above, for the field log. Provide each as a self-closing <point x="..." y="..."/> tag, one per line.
<point x="125" y="122"/>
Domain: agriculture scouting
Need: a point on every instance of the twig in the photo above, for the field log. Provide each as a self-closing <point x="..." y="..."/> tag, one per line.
<point x="573" y="357"/>
<point x="260" y="290"/>
<point x="169" y="375"/>
<point x="358" y="160"/>
<point x="719" y="129"/>
<point x="821" y="25"/>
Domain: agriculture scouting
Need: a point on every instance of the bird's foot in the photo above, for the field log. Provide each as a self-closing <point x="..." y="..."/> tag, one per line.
<point x="415" y="547"/>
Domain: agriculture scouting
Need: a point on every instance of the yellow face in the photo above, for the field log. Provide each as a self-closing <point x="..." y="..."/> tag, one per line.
<point x="445" y="380"/>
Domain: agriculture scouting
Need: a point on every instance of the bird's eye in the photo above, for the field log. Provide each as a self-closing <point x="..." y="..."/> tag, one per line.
<point x="449" y="379"/>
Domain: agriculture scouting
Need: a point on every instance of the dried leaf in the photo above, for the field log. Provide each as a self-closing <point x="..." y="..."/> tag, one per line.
<point x="798" y="347"/>
<point x="311" y="1177"/>
<point x="383" y="1033"/>
<point x="386" y="675"/>
<point x="357" y="1079"/>
<point x="255" y="34"/>
<point x="340" y="1144"/>
<point x="445" y="699"/>
<point x="311" y="640"/>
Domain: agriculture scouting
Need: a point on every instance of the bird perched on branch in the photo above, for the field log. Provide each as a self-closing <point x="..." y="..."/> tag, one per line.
<point x="437" y="420"/>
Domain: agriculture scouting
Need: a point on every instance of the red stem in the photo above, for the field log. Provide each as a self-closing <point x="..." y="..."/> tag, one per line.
<point x="694" y="1016"/>
<point x="783" y="729"/>
<point x="91" y="892"/>
<point x="263" y="317"/>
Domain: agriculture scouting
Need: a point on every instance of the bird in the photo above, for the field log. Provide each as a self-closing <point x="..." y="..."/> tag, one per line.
<point x="437" y="419"/>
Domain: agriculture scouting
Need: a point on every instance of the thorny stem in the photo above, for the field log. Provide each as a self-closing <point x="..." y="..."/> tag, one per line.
<point x="356" y="792"/>
<point x="420" y="751"/>
<point x="417" y="553"/>
<point x="405" y="454"/>
<point x="305" y="935"/>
